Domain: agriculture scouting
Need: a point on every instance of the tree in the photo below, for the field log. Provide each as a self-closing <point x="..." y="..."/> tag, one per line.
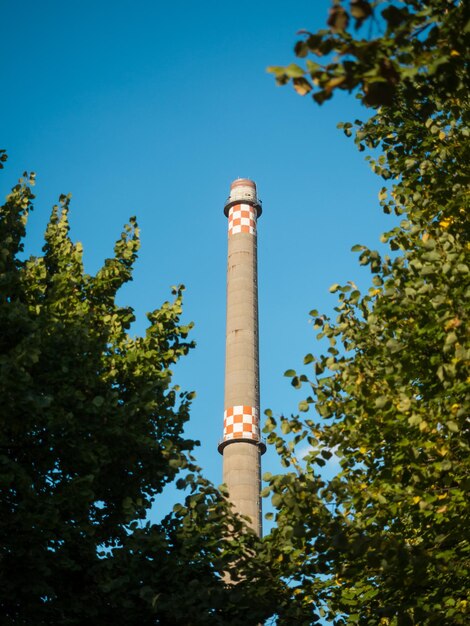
<point x="91" y="432"/>
<point x="385" y="541"/>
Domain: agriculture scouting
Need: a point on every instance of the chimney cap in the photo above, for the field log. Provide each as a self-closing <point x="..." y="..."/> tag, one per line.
<point x="243" y="190"/>
<point x="243" y="182"/>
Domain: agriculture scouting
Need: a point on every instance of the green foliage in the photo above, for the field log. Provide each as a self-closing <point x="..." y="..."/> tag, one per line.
<point x="91" y="431"/>
<point x="385" y="540"/>
<point x="177" y="567"/>
<point x="410" y="46"/>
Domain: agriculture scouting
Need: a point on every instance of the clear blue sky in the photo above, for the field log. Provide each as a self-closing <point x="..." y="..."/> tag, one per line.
<point x="152" y="108"/>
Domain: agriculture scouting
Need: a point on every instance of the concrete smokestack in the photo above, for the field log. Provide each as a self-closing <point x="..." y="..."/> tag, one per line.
<point x="241" y="445"/>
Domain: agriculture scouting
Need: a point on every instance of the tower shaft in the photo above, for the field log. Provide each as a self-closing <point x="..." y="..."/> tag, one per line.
<point x="241" y="445"/>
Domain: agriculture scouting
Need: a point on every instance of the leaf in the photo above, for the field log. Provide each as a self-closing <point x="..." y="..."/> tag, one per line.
<point x="338" y="19"/>
<point x="302" y="86"/>
<point x="285" y="427"/>
<point x="382" y="402"/>
<point x="294" y="71"/>
<point x="269" y="425"/>
<point x="276" y="500"/>
<point x="360" y="10"/>
<point x="276" y="69"/>
<point x="333" y="83"/>
<point x="394" y="16"/>
<point x="301" y="49"/>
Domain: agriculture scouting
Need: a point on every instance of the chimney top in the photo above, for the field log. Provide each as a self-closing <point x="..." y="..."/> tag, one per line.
<point x="243" y="190"/>
<point x="243" y="182"/>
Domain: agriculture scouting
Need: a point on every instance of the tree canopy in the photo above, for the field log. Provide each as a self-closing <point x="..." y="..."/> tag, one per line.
<point x="91" y="432"/>
<point x="385" y="540"/>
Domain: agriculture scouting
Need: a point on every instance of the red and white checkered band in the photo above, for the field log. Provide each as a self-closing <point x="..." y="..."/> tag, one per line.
<point x="241" y="422"/>
<point x="241" y="219"/>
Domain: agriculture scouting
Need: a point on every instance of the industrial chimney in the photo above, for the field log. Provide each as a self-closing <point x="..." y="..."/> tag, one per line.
<point x="241" y="445"/>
